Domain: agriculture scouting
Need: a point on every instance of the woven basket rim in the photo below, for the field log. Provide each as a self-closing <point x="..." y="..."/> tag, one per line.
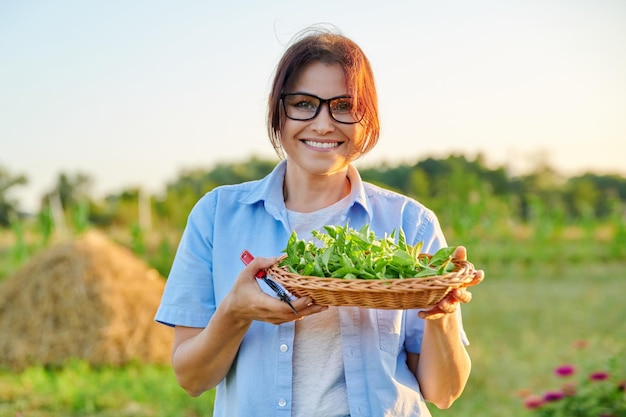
<point x="462" y="274"/>
<point x="393" y="293"/>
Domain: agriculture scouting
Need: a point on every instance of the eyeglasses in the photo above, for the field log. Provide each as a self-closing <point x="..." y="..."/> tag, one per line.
<point x="300" y="106"/>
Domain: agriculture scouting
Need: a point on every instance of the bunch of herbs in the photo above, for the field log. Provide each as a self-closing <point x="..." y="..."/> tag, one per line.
<point x="345" y="252"/>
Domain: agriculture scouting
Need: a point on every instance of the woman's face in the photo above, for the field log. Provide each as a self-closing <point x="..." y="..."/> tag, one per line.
<point x="320" y="146"/>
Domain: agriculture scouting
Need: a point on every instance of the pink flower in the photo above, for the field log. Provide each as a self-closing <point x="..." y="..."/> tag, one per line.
<point x="565" y="370"/>
<point x="553" y="396"/>
<point x="599" y="376"/>
<point x="532" y="402"/>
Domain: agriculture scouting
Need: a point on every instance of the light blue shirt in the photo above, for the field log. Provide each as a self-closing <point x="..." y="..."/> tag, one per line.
<point x="253" y="216"/>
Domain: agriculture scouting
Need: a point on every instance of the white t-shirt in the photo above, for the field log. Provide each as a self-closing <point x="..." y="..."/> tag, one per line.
<point x="319" y="383"/>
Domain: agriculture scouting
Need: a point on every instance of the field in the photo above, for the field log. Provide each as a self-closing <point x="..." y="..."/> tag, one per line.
<point x="539" y="299"/>
<point x="521" y="329"/>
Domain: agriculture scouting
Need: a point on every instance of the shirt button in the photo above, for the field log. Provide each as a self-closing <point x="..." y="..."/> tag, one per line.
<point x="284" y="348"/>
<point x="282" y="402"/>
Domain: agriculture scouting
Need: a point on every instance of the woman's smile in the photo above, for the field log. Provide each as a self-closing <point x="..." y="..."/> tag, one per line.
<point x="322" y="145"/>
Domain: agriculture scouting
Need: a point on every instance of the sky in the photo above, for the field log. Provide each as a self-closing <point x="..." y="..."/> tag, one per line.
<point x="132" y="93"/>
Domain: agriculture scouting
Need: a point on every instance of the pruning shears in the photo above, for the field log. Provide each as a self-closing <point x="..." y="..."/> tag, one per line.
<point x="283" y="295"/>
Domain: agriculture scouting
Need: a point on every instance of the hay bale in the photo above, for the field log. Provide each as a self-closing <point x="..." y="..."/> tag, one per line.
<point x="89" y="299"/>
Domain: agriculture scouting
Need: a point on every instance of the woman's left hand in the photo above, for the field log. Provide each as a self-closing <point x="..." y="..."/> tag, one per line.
<point x="449" y="303"/>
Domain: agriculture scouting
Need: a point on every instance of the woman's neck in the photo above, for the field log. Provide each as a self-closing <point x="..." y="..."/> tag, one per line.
<point x="310" y="193"/>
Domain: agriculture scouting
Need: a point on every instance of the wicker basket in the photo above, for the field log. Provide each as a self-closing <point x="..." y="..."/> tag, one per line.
<point x="391" y="294"/>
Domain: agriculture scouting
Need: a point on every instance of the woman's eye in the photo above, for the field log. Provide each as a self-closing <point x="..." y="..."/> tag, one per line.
<point x="342" y="106"/>
<point x="304" y="105"/>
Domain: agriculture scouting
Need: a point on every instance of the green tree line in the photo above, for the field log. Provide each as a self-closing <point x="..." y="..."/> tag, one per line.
<point x="464" y="191"/>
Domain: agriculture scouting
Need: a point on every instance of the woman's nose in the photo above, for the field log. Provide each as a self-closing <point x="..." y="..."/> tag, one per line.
<point x="324" y="122"/>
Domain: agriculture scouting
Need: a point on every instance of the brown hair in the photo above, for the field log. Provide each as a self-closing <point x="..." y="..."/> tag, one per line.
<point x="321" y="45"/>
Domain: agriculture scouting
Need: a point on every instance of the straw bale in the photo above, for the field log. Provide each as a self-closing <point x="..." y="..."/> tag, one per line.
<point x="87" y="298"/>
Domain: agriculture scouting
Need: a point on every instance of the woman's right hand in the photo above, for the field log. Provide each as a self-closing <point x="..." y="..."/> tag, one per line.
<point x="202" y="357"/>
<point x="247" y="302"/>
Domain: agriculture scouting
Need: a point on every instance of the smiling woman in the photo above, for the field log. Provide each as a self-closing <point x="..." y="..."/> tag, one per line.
<point x="322" y="116"/>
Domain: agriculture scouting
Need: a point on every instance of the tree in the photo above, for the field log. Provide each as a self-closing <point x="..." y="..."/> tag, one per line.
<point x="180" y="195"/>
<point x="71" y="189"/>
<point x="70" y="196"/>
<point x="595" y="194"/>
<point x="8" y="206"/>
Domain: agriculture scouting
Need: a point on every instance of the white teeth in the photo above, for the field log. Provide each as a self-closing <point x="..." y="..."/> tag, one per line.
<point x="322" y="145"/>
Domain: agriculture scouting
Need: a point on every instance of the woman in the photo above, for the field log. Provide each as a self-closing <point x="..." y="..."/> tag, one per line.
<point x="230" y="332"/>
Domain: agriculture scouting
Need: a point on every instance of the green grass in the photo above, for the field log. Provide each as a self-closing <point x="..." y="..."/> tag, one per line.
<point x="80" y="390"/>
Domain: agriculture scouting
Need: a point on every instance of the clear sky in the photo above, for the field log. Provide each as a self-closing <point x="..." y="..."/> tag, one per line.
<point x="132" y="92"/>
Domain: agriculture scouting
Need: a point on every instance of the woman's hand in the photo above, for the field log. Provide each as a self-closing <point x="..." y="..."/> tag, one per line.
<point x="203" y="356"/>
<point x="449" y="303"/>
<point x="247" y="302"/>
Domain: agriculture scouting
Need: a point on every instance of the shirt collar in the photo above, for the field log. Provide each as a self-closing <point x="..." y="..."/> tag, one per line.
<point x="269" y="190"/>
<point x="358" y="196"/>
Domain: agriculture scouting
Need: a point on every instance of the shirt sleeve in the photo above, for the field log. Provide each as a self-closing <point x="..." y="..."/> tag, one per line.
<point x="188" y="298"/>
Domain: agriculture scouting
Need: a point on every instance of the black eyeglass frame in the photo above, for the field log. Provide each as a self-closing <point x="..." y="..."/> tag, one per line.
<point x="319" y="108"/>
